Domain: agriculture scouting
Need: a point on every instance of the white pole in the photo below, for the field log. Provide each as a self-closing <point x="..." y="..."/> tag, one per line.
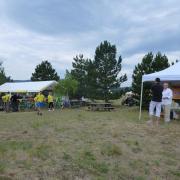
<point x="140" y="108"/>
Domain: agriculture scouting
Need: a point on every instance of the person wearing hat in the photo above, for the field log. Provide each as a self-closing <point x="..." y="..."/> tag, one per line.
<point x="156" y="102"/>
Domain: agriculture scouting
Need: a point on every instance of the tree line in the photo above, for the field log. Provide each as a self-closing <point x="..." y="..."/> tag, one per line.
<point x="100" y="77"/>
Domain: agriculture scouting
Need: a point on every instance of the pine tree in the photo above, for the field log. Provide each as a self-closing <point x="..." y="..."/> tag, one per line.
<point x="107" y="70"/>
<point x="44" y="72"/>
<point x="3" y="77"/>
<point x="160" y="62"/>
<point x="79" y="73"/>
<point x="149" y="64"/>
<point x="91" y="84"/>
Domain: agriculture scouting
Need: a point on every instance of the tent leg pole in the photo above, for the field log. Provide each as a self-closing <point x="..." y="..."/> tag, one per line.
<point x="140" y="107"/>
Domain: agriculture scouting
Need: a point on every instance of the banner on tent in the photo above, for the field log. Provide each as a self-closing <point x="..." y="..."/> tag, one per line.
<point x="176" y="92"/>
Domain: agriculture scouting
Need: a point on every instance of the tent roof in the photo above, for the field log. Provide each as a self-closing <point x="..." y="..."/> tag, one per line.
<point x="170" y="74"/>
<point x="27" y="86"/>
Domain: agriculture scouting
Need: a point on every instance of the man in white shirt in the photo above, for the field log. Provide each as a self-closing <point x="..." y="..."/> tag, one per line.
<point x="167" y="95"/>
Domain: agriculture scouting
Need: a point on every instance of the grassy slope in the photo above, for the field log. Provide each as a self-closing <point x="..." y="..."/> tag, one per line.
<point x="77" y="144"/>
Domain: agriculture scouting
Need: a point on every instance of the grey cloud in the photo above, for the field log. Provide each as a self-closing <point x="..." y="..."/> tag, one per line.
<point x="54" y="17"/>
<point x="60" y="29"/>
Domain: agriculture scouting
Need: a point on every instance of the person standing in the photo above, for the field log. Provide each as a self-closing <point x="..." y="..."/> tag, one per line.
<point x="6" y="102"/>
<point x="50" y="102"/>
<point x="167" y="95"/>
<point x="1" y="103"/>
<point x="35" y="102"/>
<point x="15" y="102"/>
<point x="40" y="102"/>
<point x="156" y="101"/>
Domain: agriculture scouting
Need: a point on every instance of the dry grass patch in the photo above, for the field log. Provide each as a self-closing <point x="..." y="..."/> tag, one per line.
<point x="79" y="144"/>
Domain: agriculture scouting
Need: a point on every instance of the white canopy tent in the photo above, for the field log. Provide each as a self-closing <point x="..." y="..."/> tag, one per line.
<point x="170" y="74"/>
<point x="29" y="87"/>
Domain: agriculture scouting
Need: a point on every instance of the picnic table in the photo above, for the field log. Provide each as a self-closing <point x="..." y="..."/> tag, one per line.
<point x="100" y="107"/>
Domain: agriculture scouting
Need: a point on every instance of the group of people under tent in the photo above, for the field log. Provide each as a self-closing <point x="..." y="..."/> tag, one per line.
<point x="162" y="97"/>
<point x="10" y="102"/>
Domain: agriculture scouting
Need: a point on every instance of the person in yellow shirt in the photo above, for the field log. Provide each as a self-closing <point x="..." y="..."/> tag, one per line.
<point x="4" y="98"/>
<point x="40" y="102"/>
<point x="6" y="102"/>
<point x="50" y="102"/>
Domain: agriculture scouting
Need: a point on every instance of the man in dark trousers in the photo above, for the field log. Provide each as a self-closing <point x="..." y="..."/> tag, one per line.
<point x="156" y="102"/>
<point x="15" y="102"/>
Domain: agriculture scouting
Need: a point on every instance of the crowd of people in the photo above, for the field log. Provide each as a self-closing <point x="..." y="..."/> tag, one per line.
<point x="10" y="102"/>
<point x="161" y="100"/>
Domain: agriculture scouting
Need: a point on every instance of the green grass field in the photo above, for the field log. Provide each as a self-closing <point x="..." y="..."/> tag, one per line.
<point x="76" y="144"/>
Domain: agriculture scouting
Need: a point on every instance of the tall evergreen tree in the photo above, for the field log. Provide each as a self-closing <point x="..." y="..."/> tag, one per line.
<point x="107" y="70"/>
<point x="149" y="64"/>
<point x="3" y="77"/>
<point x="79" y="73"/>
<point x="44" y="72"/>
<point x="160" y="62"/>
<point x="91" y="85"/>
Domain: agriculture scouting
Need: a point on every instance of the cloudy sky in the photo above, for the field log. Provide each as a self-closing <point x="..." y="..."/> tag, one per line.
<point x="57" y="30"/>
